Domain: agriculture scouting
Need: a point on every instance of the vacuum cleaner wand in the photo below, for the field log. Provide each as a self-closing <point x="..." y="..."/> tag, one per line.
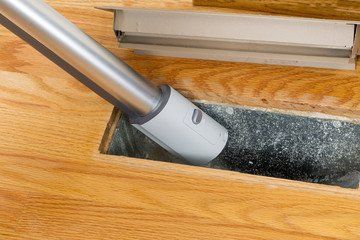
<point x="161" y="113"/>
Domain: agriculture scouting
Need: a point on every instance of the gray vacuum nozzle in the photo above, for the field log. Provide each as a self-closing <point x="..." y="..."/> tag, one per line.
<point x="171" y="126"/>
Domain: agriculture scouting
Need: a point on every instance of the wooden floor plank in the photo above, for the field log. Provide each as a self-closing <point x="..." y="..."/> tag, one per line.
<point x="330" y="9"/>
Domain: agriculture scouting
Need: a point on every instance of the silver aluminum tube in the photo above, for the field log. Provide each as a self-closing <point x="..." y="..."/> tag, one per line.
<point x="83" y="53"/>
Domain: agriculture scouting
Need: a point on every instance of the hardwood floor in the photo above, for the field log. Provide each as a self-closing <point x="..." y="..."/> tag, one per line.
<point x="54" y="183"/>
<point x="331" y="9"/>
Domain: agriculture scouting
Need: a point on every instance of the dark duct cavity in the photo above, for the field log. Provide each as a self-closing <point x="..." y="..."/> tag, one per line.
<point x="268" y="144"/>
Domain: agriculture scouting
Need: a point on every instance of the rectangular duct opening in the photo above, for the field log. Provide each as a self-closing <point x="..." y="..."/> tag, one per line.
<point x="325" y="151"/>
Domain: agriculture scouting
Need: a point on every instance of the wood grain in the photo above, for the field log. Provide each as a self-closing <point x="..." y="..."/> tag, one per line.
<point x="330" y="9"/>
<point x="54" y="183"/>
<point x="110" y="130"/>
